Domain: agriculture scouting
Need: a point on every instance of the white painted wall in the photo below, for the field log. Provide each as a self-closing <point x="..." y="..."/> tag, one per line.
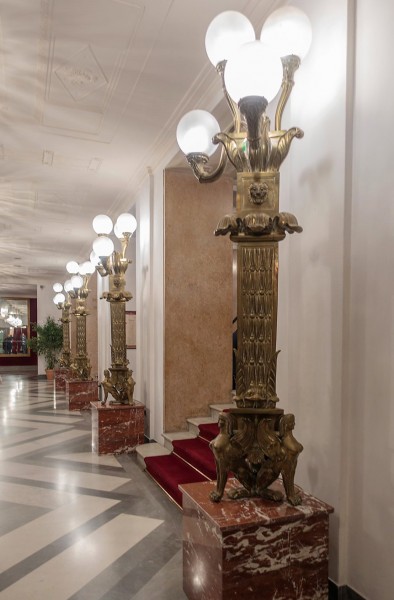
<point x="149" y="302"/>
<point x="371" y="345"/>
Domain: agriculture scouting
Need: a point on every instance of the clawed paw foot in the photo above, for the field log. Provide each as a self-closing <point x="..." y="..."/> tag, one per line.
<point x="215" y="496"/>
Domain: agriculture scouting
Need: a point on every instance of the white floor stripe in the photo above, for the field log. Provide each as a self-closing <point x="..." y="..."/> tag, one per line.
<point x="27" y="495"/>
<point x="63" y="478"/>
<point x="107" y="460"/>
<point x="28" y="539"/>
<point x="53" y="440"/>
<point x="45" y="418"/>
<point x="68" y="572"/>
<point x="36" y="430"/>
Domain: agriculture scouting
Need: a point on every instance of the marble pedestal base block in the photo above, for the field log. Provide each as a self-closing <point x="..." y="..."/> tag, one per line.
<point x="117" y="428"/>
<point x="61" y="375"/>
<point x="79" y="393"/>
<point x="253" y="549"/>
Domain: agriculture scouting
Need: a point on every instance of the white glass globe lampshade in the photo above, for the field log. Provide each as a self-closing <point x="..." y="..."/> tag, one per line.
<point x="86" y="268"/>
<point x="59" y="298"/>
<point x="126" y="223"/>
<point x="68" y="286"/>
<point x="227" y="31"/>
<point x="94" y="259"/>
<point x="195" y="132"/>
<point x="288" y="31"/>
<point x="255" y="70"/>
<point x="76" y="281"/>
<point x="57" y="287"/>
<point x="72" y="267"/>
<point x="103" y="246"/>
<point x="102" y="224"/>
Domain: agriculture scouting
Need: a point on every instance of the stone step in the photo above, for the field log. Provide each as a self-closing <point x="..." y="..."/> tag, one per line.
<point x="194" y="422"/>
<point x="176" y="435"/>
<point x="152" y="449"/>
<point x="218" y="408"/>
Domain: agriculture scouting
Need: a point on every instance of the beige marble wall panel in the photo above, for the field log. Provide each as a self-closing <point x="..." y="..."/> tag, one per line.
<point x="198" y="298"/>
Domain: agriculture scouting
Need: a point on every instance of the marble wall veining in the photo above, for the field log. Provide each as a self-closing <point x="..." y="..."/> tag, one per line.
<point x="198" y="298"/>
<point x="253" y="548"/>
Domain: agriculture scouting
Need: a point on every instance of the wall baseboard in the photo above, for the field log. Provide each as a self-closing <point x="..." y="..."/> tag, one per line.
<point x="342" y="592"/>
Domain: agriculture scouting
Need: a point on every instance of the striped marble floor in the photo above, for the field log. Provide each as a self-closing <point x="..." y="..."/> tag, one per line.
<point x="74" y="525"/>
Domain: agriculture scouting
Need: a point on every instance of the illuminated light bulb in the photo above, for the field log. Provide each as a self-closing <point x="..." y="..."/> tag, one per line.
<point x="94" y="259"/>
<point x="255" y="70"/>
<point x="195" y="132"/>
<point x="76" y="281"/>
<point x="288" y="31"/>
<point x="126" y="223"/>
<point x="57" y="287"/>
<point x="59" y="298"/>
<point x="68" y="286"/>
<point x="72" y="267"/>
<point x="102" y="224"/>
<point x="228" y="31"/>
<point x="103" y="246"/>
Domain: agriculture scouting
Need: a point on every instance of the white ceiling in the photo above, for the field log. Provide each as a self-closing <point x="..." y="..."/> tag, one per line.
<point x="90" y="95"/>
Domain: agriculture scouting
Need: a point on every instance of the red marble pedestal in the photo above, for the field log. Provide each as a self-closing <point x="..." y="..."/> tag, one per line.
<point x="79" y="393"/>
<point x="253" y="549"/>
<point x="61" y="375"/>
<point x="117" y="428"/>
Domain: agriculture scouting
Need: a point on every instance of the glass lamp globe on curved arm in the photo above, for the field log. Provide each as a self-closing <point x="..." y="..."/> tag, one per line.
<point x="57" y="287"/>
<point x="76" y="282"/>
<point x="94" y="259"/>
<point x="125" y="224"/>
<point x="288" y="31"/>
<point x="103" y="247"/>
<point x="194" y="136"/>
<point x="68" y="286"/>
<point x="102" y="224"/>
<point x="225" y="34"/>
<point x="227" y="31"/>
<point x="86" y="268"/>
<point x="255" y="70"/>
<point x="195" y="132"/>
<point x="59" y="298"/>
<point x="72" y="267"/>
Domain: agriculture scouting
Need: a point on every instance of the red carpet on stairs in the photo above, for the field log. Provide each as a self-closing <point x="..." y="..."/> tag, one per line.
<point x="169" y="471"/>
<point x="208" y="431"/>
<point x="198" y="454"/>
<point x="191" y="461"/>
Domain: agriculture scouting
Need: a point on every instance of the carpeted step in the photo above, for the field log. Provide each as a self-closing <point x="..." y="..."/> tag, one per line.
<point x="208" y="431"/>
<point x="197" y="453"/>
<point x="169" y="471"/>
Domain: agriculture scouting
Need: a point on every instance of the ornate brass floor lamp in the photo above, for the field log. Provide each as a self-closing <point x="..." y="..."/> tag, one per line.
<point x="255" y="442"/>
<point x="62" y="301"/>
<point x="118" y="379"/>
<point x="77" y="287"/>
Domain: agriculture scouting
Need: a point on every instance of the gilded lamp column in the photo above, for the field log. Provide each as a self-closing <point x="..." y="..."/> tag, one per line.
<point x="256" y="441"/>
<point x="118" y="380"/>
<point x="79" y="283"/>
<point x="63" y="303"/>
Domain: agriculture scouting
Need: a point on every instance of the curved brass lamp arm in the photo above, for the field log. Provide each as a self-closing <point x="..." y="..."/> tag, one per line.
<point x="198" y="161"/>
<point x="232" y="105"/>
<point x="290" y="65"/>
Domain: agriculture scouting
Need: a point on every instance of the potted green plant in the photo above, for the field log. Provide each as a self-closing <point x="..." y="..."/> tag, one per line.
<point x="48" y="343"/>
